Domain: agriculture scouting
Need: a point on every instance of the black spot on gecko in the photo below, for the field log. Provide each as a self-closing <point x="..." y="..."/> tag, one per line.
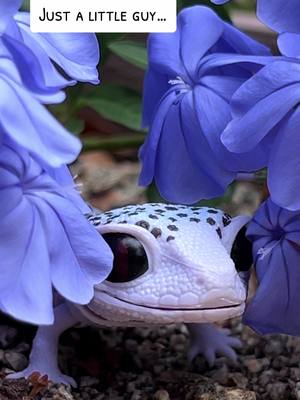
<point x="211" y="221"/>
<point x="226" y="219"/>
<point x="211" y="211"/>
<point x="156" y="232"/>
<point x="169" y="238"/>
<point x="172" y="219"/>
<point x="132" y="214"/>
<point x="170" y="208"/>
<point x="181" y="215"/>
<point x="143" y="224"/>
<point x="153" y="216"/>
<point x="195" y="208"/>
<point x="159" y="211"/>
<point x="173" y="228"/>
<point x="195" y="219"/>
<point x="219" y="233"/>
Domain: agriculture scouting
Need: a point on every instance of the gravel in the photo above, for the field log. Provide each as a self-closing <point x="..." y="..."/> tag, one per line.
<point x="144" y="364"/>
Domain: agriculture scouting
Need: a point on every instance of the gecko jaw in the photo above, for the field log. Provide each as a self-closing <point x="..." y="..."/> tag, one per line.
<point x="107" y="310"/>
<point x="175" y="308"/>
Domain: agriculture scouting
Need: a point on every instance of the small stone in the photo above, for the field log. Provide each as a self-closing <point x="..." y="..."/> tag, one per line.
<point x="278" y="390"/>
<point x="221" y="375"/>
<point x="239" y="394"/>
<point x="7" y="336"/>
<point x="158" y="369"/>
<point x="256" y="365"/>
<point x="294" y="374"/>
<point x="131" y="345"/>
<point x="161" y="395"/>
<point x="16" y="361"/>
<point x="273" y="347"/>
<point x="137" y="395"/>
<point x="130" y="388"/>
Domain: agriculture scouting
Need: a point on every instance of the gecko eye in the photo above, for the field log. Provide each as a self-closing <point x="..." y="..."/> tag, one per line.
<point x="241" y="252"/>
<point x="130" y="258"/>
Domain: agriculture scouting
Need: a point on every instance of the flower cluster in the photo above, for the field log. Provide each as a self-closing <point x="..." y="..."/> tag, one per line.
<point x="45" y="240"/>
<point x="217" y="104"/>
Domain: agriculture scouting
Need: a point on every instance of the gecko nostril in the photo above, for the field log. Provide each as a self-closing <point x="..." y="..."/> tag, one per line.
<point x="241" y="252"/>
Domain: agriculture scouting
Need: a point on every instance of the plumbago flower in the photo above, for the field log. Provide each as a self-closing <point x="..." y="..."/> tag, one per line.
<point x="275" y="233"/>
<point x="28" y="77"/>
<point x="283" y="17"/>
<point x="191" y="77"/>
<point x="266" y="117"/>
<point x="45" y="241"/>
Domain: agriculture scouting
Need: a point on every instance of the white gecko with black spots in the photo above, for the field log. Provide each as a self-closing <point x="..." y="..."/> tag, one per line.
<point x="172" y="264"/>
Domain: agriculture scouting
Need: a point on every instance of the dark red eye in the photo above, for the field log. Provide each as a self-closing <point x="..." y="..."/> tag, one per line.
<point x="241" y="252"/>
<point x="130" y="258"/>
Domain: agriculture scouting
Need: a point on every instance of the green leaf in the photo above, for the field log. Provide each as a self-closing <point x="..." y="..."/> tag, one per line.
<point x="117" y="104"/>
<point x="75" y="125"/>
<point x="133" y="52"/>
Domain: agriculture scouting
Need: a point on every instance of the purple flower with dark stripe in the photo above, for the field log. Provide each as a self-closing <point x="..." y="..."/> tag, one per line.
<point x="266" y="123"/>
<point x="191" y="77"/>
<point x="275" y="233"/>
<point x="46" y="242"/>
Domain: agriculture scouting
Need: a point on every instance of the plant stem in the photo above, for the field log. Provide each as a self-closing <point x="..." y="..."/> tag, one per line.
<point x="119" y="142"/>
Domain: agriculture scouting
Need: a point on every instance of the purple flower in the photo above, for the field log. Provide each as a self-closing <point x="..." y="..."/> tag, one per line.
<point x="28" y="123"/>
<point x="45" y="241"/>
<point x="267" y="121"/>
<point x="28" y="77"/>
<point x="282" y="16"/>
<point x="218" y="2"/>
<point x="7" y="11"/>
<point x="275" y="233"/>
<point x="191" y="77"/>
<point x="76" y="54"/>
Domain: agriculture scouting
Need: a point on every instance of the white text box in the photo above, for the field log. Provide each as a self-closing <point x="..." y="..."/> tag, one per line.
<point x="103" y="15"/>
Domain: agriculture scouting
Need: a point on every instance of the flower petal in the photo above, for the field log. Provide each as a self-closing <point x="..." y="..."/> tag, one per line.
<point x="189" y="170"/>
<point x="7" y="11"/>
<point x="85" y="261"/>
<point x="284" y="166"/>
<point x="274" y="308"/>
<point x="279" y="15"/>
<point x="30" y="125"/>
<point x="148" y="151"/>
<point x="76" y="53"/>
<point x="289" y="44"/>
<point x="243" y="134"/>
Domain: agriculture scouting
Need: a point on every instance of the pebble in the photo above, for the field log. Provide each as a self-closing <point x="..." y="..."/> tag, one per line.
<point x="161" y="395"/>
<point x="238" y="394"/>
<point x="254" y="365"/>
<point x="16" y="361"/>
<point x="7" y="336"/>
<point x="278" y="390"/>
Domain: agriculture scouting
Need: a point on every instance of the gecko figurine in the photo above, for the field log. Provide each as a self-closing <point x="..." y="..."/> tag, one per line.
<point x="172" y="264"/>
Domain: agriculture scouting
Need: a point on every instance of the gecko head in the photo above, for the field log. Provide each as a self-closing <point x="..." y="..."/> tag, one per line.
<point x="171" y="264"/>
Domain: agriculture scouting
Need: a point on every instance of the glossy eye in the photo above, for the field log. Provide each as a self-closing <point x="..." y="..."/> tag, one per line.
<point x="130" y="258"/>
<point x="241" y="252"/>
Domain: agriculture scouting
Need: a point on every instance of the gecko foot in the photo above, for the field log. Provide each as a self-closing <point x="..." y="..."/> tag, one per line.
<point x="54" y="375"/>
<point x="210" y="341"/>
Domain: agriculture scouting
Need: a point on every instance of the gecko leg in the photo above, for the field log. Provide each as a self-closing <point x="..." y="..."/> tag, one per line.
<point x="43" y="356"/>
<point x="208" y="340"/>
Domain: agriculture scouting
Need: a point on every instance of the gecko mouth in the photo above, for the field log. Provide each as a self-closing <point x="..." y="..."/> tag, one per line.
<point x="223" y="307"/>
